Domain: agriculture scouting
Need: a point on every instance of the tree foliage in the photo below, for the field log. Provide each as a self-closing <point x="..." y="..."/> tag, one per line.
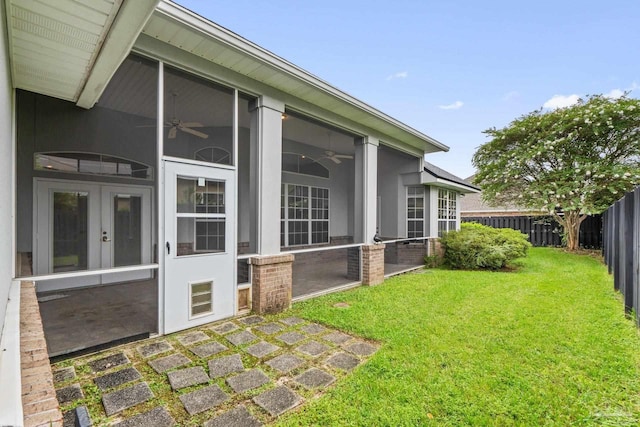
<point x="576" y="160"/>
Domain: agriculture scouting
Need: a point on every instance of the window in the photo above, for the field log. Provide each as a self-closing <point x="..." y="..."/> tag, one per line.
<point x="201" y="216"/>
<point x="447" y="216"/>
<point x="415" y="212"/>
<point x="91" y="164"/>
<point x="304" y="213"/>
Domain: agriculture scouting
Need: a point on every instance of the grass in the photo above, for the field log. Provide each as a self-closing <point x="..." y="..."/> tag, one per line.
<point x="546" y="345"/>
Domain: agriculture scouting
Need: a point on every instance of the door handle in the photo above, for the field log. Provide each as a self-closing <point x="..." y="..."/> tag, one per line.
<point x="105" y="238"/>
<point x="168" y="248"/>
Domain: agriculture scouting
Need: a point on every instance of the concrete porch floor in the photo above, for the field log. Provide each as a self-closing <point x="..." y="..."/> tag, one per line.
<point x="89" y="317"/>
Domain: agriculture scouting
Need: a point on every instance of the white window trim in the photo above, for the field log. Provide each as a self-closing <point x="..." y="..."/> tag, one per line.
<point x="446" y="221"/>
<point x="309" y="220"/>
<point x="424" y="207"/>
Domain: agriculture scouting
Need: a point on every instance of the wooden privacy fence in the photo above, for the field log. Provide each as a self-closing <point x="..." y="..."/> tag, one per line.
<point x="621" y="247"/>
<point x="545" y="231"/>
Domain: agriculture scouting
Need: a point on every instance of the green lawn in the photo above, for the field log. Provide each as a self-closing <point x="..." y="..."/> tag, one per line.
<point x="547" y="345"/>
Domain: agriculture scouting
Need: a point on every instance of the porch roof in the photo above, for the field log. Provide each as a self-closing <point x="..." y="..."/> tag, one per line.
<point x="71" y="49"/>
<point x="183" y="29"/>
<point x="433" y="175"/>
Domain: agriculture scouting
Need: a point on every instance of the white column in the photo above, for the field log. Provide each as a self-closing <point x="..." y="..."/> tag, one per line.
<point x="433" y="212"/>
<point x="366" y="188"/>
<point x="266" y="175"/>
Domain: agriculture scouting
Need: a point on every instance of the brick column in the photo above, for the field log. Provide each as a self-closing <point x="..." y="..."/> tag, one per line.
<point x="39" y="403"/>
<point x="271" y="283"/>
<point x="353" y="264"/>
<point x="373" y="264"/>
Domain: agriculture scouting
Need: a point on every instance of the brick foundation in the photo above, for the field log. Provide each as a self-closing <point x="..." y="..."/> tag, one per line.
<point x="272" y="282"/>
<point x="353" y="264"/>
<point x="373" y="264"/>
<point x="39" y="404"/>
<point x="411" y="253"/>
<point x="435" y="247"/>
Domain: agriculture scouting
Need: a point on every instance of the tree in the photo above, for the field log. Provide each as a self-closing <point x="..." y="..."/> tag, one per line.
<point x="570" y="162"/>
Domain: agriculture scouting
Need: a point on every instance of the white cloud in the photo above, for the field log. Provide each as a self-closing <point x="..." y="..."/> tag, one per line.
<point x="561" y="101"/>
<point x="453" y="106"/>
<point x="398" y="75"/>
<point x="634" y="86"/>
<point x="614" y="94"/>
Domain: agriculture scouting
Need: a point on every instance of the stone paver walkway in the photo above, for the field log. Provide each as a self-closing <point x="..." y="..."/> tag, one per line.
<point x="240" y="372"/>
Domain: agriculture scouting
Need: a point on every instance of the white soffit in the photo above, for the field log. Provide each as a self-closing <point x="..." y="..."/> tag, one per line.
<point x="69" y="49"/>
<point x="183" y="29"/>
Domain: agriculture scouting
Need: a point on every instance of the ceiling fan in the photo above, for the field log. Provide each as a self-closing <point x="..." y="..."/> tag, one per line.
<point x="175" y="124"/>
<point x="332" y="155"/>
<point x="335" y="158"/>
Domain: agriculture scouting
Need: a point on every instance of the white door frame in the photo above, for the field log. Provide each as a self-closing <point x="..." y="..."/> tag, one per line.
<point x="97" y="214"/>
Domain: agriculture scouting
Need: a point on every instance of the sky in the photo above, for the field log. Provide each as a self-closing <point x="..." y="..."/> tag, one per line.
<point x="450" y="69"/>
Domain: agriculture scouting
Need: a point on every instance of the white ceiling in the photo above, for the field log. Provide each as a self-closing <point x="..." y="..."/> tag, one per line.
<point x="54" y="44"/>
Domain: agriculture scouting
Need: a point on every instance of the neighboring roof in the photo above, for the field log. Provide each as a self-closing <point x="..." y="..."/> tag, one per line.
<point x="473" y="204"/>
<point x="440" y="177"/>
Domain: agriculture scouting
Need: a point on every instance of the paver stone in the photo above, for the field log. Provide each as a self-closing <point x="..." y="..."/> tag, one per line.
<point x="243" y="337"/>
<point x="69" y="394"/>
<point x="208" y="349"/>
<point x="313" y="348"/>
<point x="277" y="400"/>
<point x="169" y="362"/>
<point x="120" y="400"/>
<point x="247" y="380"/>
<point x="117" y="378"/>
<point x="262" y="349"/>
<point x="157" y="417"/>
<point x="223" y="366"/>
<point x="290" y="337"/>
<point x="314" y="378"/>
<point x="285" y="363"/>
<point x="203" y="399"/>
<point x="108" y="362"/>
<point x="236" y="417"/>
<point x="187" y="377"/>
<point x="154" y="348"/>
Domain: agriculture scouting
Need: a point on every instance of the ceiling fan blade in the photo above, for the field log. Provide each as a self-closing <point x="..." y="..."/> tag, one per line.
<point x="193" y="132"/>
<point x="172" y="132"/>
<point x="343" y="156"/>
<point x="191" y="124"/>
<point x="335" y="160"/>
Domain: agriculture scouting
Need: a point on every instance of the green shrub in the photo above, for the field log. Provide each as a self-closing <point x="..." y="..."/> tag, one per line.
<point x="477" y="246"/>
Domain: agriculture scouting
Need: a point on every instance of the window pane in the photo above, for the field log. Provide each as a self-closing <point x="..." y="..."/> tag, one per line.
<point x="127" y="230"/>
<point x="200" y="235"/>
<point x="70" y="219"/>
<point x="194" y="198"/>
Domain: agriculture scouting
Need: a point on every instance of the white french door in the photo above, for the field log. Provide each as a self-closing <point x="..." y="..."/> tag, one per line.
<point x="199" y="285"/>
<point x="88" y="226"/>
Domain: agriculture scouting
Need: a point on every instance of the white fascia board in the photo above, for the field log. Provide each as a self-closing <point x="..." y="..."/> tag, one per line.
<point x="202" y="25"/>
<point x="428" y="179"/>
<point x="129" y="22"/>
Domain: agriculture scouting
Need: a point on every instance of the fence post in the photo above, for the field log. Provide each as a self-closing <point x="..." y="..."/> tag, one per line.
<point x="629" y="209"/>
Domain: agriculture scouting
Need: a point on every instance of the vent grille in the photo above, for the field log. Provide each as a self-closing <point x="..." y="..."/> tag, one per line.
<point x="201" y="298"/>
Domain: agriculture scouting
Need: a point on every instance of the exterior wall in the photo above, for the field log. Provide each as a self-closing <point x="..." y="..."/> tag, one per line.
<point x="10" y="410"/>
<point x="6" y="172"/>
<point x="393" y="166"/>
